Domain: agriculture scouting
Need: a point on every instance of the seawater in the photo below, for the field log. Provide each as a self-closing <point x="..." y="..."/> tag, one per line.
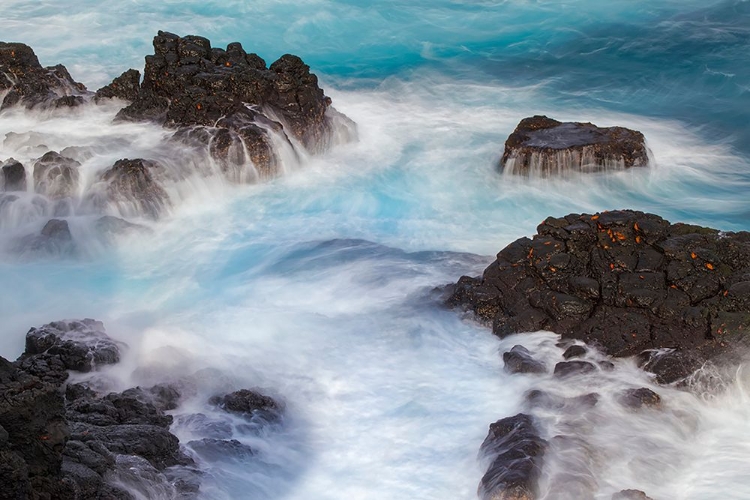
<point x="317" y="287"/>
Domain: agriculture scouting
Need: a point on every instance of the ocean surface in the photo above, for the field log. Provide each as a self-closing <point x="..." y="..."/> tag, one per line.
<point x="317" y="287"/>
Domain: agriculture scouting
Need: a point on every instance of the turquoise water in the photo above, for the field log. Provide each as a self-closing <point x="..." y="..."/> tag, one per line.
<point x="317" y="286"/>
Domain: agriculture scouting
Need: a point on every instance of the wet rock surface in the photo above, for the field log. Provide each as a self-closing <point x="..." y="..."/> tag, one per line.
<point x="246" y="403"/>
<point x="515" y="451"/>
<point x="520" y="360"/>
<point x="133" y="187"/>
<point x="228" y="97"/>
<point x="29" y="84"/>
<point x="630" y="495"/>
<point x="639" y="398"/>
<point x="126" y="87"/>
<point x="13" y="176"/>
<point x="66" y="441"/>
<point x="54" y="239"/>
<point x="56" y="176"/>
<point x="541" y="146"/>
<point x="629" y="282"/>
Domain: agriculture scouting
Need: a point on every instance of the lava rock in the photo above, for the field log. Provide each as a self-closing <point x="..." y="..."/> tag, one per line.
<point x="80" y="345"/>
<point x="516" y="450"/>
<point x="221" y="449"/>
<point x="629" y="282"/>
<point x="246" y="402"/>
<point x="56" y="176"/>
<point x="14" y="176"/>
<point x="519" y="360"/>
<point x="566" y="368"/>
<point x="126" y="87"/>
<point x="228" y="99"/>
<point x="639" y="398"/>
<point x="630" y="495"/>
<point x="25" y="82"/>
<point x="541" y="399"/>
<point x="541" y="146"/>
<point x="54" y="239"/>
<point x="131" y="186"/>
<point x="574" y="351"/>
<point x="34" y="432"/>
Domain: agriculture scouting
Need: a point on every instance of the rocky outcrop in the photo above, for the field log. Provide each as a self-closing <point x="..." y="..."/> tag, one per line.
<point x="25" y="82"/>
<point x="630" y="495"/>
<point x="224" y="98"/>
<point x="515" y="451"/>
<point x="126" y="87"/>
<point x="246" y="402"/>
<point x="132" y="187"/>
<point x="520" y="360"/>
<point x="56" y="176"/>
<point x="54" y="239"/>
<point x="69" y="442"/>
<point x="630" y="282"/>
<point x="13" y="176"/>
<point x="541" y="146"/>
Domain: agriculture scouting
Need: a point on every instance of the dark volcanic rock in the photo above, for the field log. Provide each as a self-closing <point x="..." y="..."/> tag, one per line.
<point x="14" y="176"/>
<point x="126" y="87"/>
<point x="29" y="84"/>
<point x="33" y="433"/>
<point x="80" y="345"/>
<point x="56" y="176"/>
<point x="221" y="449"/>
<point x="130" y="184"/>
<point x="245" y="402"/>
<point x="565" y="368"/>
<point x="54" y="238"/>
<point x="225" y="99"/>
<point x="638" y="398"/>
<point x="627" y="281"/>
<point x="515" y="449"/>
<point x="541" y="146"/>
<point x="574" y="351"/>
<point x="520" y="360"/>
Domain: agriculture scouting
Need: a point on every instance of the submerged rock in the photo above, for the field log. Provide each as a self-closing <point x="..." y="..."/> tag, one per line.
<point x="27" y="83"/>
<point x="54" y="239"/>
<point x="515" y="450"/>
<point x="14" y="176"/>
<point x="541" y="146"/>
<point x="630" y="495"/>
<point x="245" y="402"/>
<point x="520" y="360"/>
<point x="639" y="398"/>
<point x="629" y="282"/>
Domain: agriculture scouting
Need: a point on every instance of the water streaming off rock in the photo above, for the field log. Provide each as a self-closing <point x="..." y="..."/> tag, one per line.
<point x="317" y="285"/>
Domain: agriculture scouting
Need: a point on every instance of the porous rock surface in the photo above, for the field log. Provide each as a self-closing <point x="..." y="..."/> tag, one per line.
<point x="222" y="97"/>
<point x="629" y="282"/>
<point x="25" y="82"/>
<point x="65" y="441"/>
<point x="541" y="146"/>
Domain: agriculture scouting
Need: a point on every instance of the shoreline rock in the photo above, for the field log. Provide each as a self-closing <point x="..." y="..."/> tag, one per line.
<point x="629" y="282"/>
<point x="541" y="146"/>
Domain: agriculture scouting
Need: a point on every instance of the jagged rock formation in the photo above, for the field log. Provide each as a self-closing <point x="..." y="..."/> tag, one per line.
<point x="541" y="146"/>
<point x="627" y="281"/>
<point x="131" y="185"/>
<point x="25" y="82"/>
<point x="67" y="441"/>
<point x="226" y="99"/>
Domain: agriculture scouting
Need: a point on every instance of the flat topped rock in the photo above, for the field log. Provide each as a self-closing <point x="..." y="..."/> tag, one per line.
<point x="542" y="146"/>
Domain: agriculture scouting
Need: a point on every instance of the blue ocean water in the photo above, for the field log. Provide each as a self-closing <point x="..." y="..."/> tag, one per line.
<point x="317" y="286"/>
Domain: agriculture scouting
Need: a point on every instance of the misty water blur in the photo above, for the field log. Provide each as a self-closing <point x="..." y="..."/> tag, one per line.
<point x="316" y="287"/>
